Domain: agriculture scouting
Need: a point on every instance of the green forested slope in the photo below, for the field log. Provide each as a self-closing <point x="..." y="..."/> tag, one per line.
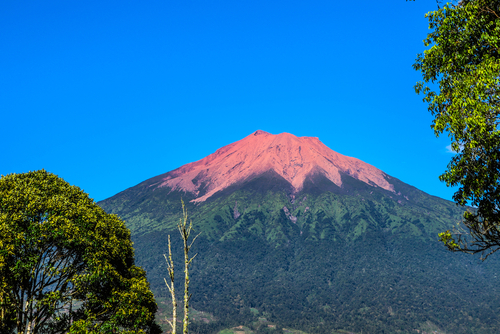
<point x="354" y="257"/>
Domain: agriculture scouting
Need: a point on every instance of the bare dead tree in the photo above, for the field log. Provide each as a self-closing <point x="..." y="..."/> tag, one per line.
<point x="185" y="230"/>
<point x="171" y="287"/>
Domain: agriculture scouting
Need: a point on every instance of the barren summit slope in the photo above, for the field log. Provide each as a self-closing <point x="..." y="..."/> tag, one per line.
<point x="291" y="157"/>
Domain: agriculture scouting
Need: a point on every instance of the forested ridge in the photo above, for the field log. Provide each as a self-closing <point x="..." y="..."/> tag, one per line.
<point x="374" y="284"/>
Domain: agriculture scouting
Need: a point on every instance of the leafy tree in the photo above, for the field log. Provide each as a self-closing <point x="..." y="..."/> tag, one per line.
<point x="65" y="264"/>
<point x="463" y="60"/>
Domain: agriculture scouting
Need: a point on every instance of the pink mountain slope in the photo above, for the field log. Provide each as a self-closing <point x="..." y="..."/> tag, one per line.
<point x="294" y="158"/>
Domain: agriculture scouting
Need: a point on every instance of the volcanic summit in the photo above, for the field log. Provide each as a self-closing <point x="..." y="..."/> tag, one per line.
<point x="291" y="157"/>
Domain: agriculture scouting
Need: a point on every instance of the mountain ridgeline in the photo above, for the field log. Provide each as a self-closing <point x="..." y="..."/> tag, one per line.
<point x="312" y="240"/>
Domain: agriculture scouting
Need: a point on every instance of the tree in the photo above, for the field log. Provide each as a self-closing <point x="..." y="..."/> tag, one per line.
<point x="464" y="61"/>
<point x="171" y="287"/>
<point x="185" y="231"/>
<point x="65" y="264"/>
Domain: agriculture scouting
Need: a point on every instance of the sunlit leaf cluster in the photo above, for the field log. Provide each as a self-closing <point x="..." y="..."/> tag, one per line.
<point x="462" y="66"/>
<point x="65" y="264"/>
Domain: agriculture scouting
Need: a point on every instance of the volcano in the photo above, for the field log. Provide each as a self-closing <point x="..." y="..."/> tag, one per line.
<point x="297" y="236"/>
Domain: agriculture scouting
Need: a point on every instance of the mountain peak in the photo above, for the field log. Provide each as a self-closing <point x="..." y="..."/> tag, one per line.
<point x="291" y="157"/>
<point x="260" y="132"/>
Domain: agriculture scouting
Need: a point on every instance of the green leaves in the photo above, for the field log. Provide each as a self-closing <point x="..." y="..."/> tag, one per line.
<point x="65" y="264"/>
<point x="448" y="240"/>
<point x="464" y="61"/>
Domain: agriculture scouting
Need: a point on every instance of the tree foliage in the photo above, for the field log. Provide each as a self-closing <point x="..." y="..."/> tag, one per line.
<point x="65" y="264"/>
<point x="463" y="60"/>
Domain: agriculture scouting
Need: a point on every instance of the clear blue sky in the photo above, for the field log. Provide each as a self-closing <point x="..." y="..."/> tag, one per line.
<point x="107" y="94"/>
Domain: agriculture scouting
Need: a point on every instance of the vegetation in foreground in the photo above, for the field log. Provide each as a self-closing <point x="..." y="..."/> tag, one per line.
<point x="464" y="61"/>
<point x="65" y="264"/>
